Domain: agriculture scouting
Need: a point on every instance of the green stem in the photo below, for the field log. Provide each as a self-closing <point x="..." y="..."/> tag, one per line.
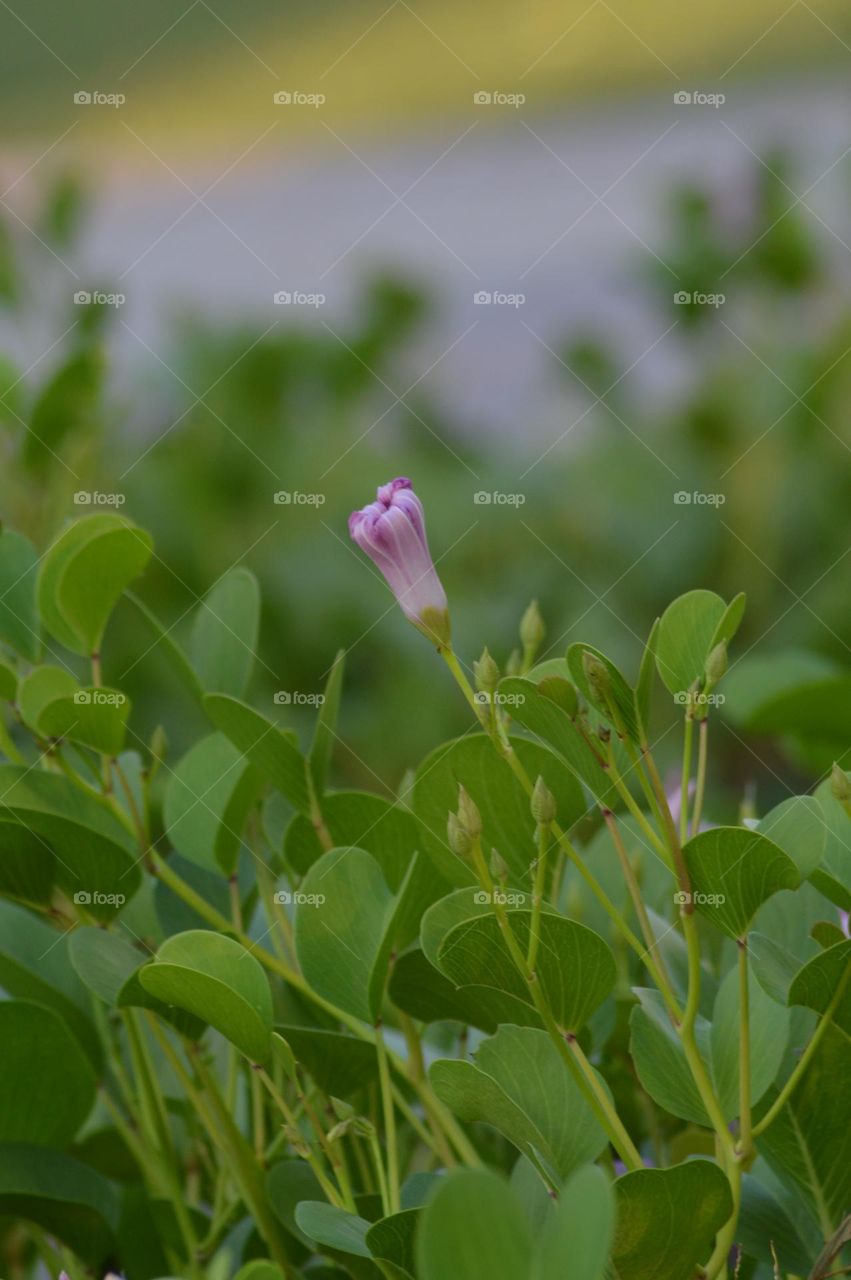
<point x="689" y="1042"/>
<point x="726" y="1237"/>
<point x="389" y="1121"/>
<point x="745" y="1134"/>
<point x="308" y="1153"/>
<point x="537" y="898"/>
<point x="598" y="1101"/>
<point x="700" y="788"/>
<point x="806" y="1057"/>
<point x="660" y="974"/>
<point x="436" y="1110"/>
<point x="688" y="738"/>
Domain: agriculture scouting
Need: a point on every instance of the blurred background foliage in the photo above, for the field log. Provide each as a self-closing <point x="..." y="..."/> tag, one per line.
<point x="600" y="539"/>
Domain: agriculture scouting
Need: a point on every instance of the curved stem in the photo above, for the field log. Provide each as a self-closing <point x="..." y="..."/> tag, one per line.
<point x="700" y="789"/>
<point x="389" y="1122"/>
<point x="745" y="1135"/>
<point x="685" y="779"/>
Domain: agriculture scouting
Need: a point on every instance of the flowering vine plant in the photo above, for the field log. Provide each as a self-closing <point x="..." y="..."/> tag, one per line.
<point x="541" y="1014"/>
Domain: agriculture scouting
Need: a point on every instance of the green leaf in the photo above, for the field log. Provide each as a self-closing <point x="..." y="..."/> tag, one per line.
<point x="39" y="688"/>
<point x="343" y="930"/>
<point x="27" y="865"/>
<point x="161" y="638"/>
<point x="319" y="756"/>
<point x="769" y="1035"/>
<point x="766" y="1232"/>
<point x="83" y="574"/>
<point x="817" y="983"/>
<point x="34" y="965"/>
<point x="339" y="1064"/>
<point x="520" y="1085"/>
<point x="660" y="1062"/>
<point x="94" y="717"/>
<point x="575" y="967"/>
<point x="421" y="990"/>
<point x="833" y="878"/>
<point x="667" y="1220"/>
<point x="19" y="624"/>
<point x="644" y="685"/>
<point x="224" y="633"/>
<point x="622" y="695"/>
<point x="110" y="966"/>
<point x="384" y="829"/>
<point x="805" y="1145"/>
<point x="336" y="1228"/>
<point x="687" y="635"/>
<point x="393" y="1239"/>
<point x="551" y="724"/>
<point x="797" y="827"/>
<point x="580" y="1229"/>
<point x="732" y="872"/>
<point x="507" y="820"/>
<point x="47" y="1085"/>
<point x="730" y="622"/>
<point x="288" y="1184"/>
<point x="95" y="854"/>
<point x="271" y="750"/>
<point x="208" y="797"/>
<point x="473" y="1227"/>
<point x="66" y="1198"/>
<point x="219" y="981"/>
<point x="259" y="1269"/>
<point x="67" y="404"/>
<point x="774" y="966"/>
<point x="8" y="682"/>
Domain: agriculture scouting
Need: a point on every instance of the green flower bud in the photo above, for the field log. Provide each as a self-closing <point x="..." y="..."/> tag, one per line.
<point x="597" y="675"/>
<point x="486" y="673"/>
<point x="840" y="784"/>
<point x="532" y="630"/>
<point x="342" y="1110"/>
<point x="498" y="866"/>
<point x="457" y="837"/>
<point x="716" y="664"/>
<point x="469" y="814"/>
<point x="514" y="665"/>
<point x="543" y="804"/>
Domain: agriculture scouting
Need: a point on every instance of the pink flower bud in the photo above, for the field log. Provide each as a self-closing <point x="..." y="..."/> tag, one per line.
<point x="392" y="533"/>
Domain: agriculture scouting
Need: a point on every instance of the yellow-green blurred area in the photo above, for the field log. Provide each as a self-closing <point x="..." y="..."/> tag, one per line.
<point x="605" y="330"/>
<point x="384" y="66"/>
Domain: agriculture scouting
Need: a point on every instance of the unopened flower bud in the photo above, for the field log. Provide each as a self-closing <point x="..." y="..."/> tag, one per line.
<point x="532" y="631"/>
<point x="840" y="784"/>
<point x="468" y="813"/>
<point x="342" y="1110"/>
<point x="543" y="804"/>
<point x="597" y="675"/>
<point x="457" y="837"/>
<point x="716" y="664"/>
<point x="498" y="866"/>
<point x="486" y="673"/>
